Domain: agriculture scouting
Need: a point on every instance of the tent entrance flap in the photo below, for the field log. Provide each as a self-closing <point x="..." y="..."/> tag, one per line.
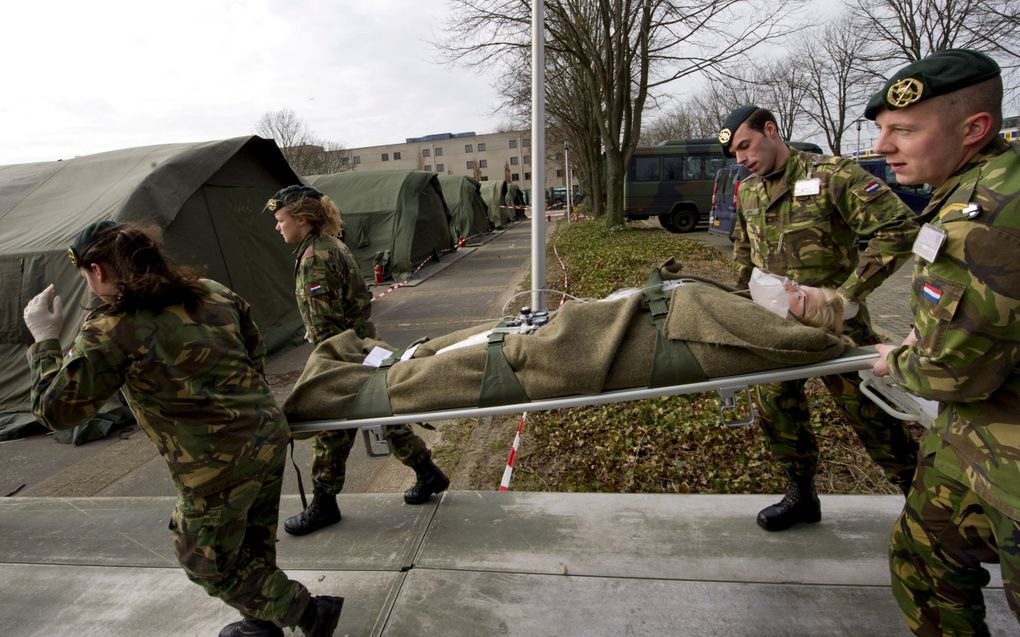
<point x="854" y="360"/>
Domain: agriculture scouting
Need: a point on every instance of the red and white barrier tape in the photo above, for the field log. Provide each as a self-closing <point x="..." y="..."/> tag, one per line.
<point x="504" y="484"/>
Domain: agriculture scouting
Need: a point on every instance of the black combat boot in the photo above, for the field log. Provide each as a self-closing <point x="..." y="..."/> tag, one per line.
<point x="250" y="627"/>
<point x="321" y="512"/>
<point x="321" y="616"/>
<point x="430" y="480"/>
<point x="800" y="504"/>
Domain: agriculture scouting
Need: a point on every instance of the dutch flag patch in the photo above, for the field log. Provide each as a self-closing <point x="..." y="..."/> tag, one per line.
<point x="931" y="293"/>
<point x="874" y="186"/>
<point x="314" y="288"/>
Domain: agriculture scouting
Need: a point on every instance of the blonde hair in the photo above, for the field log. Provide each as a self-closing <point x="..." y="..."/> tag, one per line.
<point x="828" y="315"/>
<point x="321" y="214"/>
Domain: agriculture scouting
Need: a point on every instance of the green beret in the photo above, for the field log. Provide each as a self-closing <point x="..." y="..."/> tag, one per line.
<point x="88" y="236"/>
<point x="291" y="194"/>
<point x="939" y="73"/>
<point x="732" y="123"/>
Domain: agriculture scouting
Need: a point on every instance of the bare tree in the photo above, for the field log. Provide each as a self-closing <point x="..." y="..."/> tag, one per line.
<point x="622" y="49"/>
<point x="305" y="153"/>
<point x="691" y="118"/>
<point x="905" y="31"/>
<point x="836" y="79"/>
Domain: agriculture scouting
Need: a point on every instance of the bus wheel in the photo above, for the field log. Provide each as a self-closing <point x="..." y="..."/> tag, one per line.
<point x="681" y="220"/>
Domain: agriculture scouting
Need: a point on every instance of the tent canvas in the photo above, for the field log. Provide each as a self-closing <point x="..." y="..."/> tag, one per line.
<point x="469" y="212"/>
<point x="205" y="197"/>
<point x="494" y="195"/>
<point x="514" y="202"/>
<point x="399" y="212"/>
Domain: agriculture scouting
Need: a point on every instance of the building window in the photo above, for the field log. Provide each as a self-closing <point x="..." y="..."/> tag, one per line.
<point x="483" y="163"/>
<point x="467" y="148"/>
<point x="559" y="172"/>
<point x="427" y="168"/>
<point x="515" y="177"/>
<point x="396" y="155"/>
<point x="513" y="161"/>
<point x="385" y="156"/>
<point x="357" y="160"/>
<point x="527" y="176"/>
<point x="345" y="159"/>
<point x="483" y="178"/>
<point x="527" y="159"/>
<point x="470" y="164"/>
<point x="425" y="152"/>
<point x="440" y="168"/>
<point x="481" y="147"/>
<point x="439" y="152"/>
<point x="513" y="143"/>
<point x="527" y="142"/>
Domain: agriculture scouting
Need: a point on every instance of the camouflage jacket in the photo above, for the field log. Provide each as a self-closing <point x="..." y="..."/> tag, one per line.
<point x="813" y="239"/>
<point x="966" y="305"/>
<point x="331" y="294"/>
<point x="193" y="380"/>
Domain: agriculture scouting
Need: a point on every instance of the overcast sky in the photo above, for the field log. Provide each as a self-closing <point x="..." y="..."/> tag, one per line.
<point x="86" y="77"/>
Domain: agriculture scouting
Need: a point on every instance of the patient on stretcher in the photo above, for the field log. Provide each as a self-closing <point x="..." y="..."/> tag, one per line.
<point x="689" y="333"/>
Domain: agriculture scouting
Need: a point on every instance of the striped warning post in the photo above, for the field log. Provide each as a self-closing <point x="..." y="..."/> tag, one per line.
<point x="504" y="484"/>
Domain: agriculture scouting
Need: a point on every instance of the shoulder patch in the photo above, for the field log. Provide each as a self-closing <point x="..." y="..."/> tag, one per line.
<point x="315" y="288"/>
<point x="874" y="186"/>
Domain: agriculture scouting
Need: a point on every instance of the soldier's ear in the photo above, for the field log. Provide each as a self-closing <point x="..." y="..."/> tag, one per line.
<point x="977" y="129"/>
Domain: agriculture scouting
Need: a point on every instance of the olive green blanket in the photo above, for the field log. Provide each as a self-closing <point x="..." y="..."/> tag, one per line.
<point x="586" y="348"/>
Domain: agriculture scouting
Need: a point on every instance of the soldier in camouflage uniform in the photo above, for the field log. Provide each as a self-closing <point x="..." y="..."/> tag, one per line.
<point x="332" y="298"/>
<point x="188" y="358"/>
<point x="802" y="216"/>
<point x="939" y="119"/>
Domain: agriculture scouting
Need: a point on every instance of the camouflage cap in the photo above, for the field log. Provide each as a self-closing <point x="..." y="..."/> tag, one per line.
<point x="939" y="73"/>
<point x="732" y="123"/>
<point x="88" y="236"/>
<point x="291" y="194"/>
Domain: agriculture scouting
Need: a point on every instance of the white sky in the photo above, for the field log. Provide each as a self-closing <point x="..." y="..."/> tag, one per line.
<point x="86" y="77"/>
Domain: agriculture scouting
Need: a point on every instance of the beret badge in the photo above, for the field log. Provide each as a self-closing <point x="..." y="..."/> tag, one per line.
<point x="72" y="257"/>
<point x="724" y="136"/>
<point x="904" y="92"/>
<point x="271" y="205"/>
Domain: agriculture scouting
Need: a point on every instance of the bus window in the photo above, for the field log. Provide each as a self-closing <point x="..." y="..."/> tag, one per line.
<point x="672" y="168"/>
<point x="646" y="169"/>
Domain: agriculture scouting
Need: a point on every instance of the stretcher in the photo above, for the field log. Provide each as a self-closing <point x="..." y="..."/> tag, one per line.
<point x="886" y="394"/>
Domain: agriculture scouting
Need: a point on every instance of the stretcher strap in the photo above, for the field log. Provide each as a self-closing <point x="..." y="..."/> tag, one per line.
<point x="499" y="382"/>
<point x="672" y="362"/>
<point x="373" y="399"/>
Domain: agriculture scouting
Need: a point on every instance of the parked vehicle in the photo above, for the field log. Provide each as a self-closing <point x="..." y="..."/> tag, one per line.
<point x="723" y="214"/>
<point x="674" y="182"/>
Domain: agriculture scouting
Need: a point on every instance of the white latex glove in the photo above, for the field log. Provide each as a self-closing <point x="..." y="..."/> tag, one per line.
<point x="42" y="321"/>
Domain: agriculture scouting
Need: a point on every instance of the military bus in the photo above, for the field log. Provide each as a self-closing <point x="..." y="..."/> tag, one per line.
<point x="673" y="181"/>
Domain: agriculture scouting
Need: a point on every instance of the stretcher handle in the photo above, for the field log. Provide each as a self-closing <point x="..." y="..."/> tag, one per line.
<point x="885" y="393"/>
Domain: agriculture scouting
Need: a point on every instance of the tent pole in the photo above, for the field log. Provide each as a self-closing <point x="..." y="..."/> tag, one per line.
<point x="537" y="155"/>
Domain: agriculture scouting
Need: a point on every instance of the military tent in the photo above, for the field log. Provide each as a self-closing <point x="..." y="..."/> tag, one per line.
<point x="399" y="213"/>
<point x="207" y="199"/>
<point x="494" y="195"/>
<point x="514" y="202"/>
<point x="468" y="211"/>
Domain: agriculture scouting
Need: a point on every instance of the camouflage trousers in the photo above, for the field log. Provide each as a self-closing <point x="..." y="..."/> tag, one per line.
<point x="938" y="544"/>
<point x="785" y="420"/>
<point x="226" y="542"/>
<point x="331" y="448"/>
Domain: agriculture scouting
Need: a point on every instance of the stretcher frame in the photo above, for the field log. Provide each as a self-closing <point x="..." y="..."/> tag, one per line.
<point x="729" y="388"/>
